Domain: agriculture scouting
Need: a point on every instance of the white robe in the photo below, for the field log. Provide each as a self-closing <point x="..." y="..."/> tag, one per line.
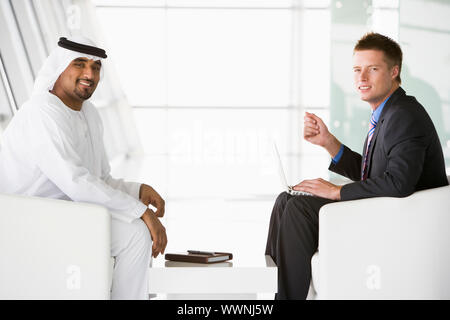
<point x="49" y="150"/>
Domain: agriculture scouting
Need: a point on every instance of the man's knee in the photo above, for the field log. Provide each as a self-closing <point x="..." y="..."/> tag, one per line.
<point x="282" y="198"/>
<point x="295" y="209"/>
<point x="295" y="204"/>
<point x="279" y="206"/>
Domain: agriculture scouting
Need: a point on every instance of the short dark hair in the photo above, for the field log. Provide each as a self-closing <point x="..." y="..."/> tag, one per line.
<point x="391" y="49"/>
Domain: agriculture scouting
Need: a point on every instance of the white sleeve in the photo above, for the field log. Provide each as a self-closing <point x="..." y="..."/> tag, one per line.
<point x="53" y="149"/>
<point x="131" y="188"/>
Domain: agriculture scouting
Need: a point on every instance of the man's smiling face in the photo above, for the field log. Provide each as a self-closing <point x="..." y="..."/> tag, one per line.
<point x="78" y="81"/>
<point x="374" y="79"/>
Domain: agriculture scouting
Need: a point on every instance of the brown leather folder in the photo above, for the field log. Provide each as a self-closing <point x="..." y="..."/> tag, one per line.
<point x="198" y="257"/>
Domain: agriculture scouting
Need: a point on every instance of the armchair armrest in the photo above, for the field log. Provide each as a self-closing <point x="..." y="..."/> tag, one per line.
<point x="53" y="249"/>
<point x="388" y="248"/>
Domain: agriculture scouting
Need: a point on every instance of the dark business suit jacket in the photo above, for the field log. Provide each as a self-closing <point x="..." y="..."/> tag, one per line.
<point x="405" y="154"/>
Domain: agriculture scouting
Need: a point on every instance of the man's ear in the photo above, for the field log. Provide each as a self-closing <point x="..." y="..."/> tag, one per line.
<point x="394" y="72"/>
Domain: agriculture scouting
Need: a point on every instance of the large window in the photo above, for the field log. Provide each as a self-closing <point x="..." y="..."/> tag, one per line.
<point x="214" y="83"/>
<point x="425" y="39"/>
<point x="190" y="57"/>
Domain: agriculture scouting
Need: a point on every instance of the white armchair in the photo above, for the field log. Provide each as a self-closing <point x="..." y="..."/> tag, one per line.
<point x="53" y="249"/>
<point x="384" y="248"/>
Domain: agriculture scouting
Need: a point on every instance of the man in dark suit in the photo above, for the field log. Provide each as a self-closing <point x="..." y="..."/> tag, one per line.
<point x="402" y="154"/>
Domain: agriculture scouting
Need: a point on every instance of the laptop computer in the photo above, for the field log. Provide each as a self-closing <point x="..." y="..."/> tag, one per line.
<point x="287" y="187"/>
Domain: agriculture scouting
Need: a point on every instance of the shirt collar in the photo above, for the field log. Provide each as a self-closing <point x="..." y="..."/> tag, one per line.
<point x="379" y="109"/>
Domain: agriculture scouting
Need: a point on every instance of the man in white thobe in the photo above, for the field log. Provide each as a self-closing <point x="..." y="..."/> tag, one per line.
<point x="53" y="147"/>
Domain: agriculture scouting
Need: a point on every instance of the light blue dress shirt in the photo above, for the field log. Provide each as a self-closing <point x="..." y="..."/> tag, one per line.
<point x="376" y="115"/>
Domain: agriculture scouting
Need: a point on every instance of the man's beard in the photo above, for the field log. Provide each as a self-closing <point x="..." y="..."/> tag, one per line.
<point x="83" y="94"/>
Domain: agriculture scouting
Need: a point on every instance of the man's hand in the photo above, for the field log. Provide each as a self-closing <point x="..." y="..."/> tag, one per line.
<point x="157" y="231"/>
<point x="316" y="132"/>
<point x="320" y="188"/>
<point x="148" y="195"/>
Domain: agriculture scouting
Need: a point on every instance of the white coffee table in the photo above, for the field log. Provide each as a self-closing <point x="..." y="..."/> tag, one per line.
<point x="241" y="278"/>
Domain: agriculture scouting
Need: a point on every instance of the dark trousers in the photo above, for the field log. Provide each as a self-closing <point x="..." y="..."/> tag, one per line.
<point x="292" y="241"/>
